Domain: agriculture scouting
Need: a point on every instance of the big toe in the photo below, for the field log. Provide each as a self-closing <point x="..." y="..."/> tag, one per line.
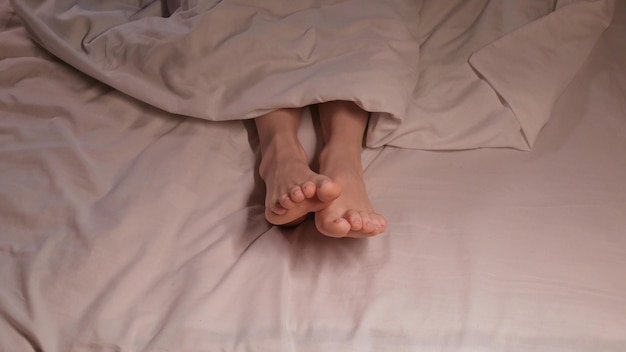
<point x="331" y="224"/>
<point x="327" y="191"/>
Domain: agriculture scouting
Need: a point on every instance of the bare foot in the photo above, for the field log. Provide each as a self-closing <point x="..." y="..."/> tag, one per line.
<point x="292" y="189"/>
<point x="351" y="214"/>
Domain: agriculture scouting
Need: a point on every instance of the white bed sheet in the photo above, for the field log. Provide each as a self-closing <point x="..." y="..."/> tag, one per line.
<point x="125" y="228"/>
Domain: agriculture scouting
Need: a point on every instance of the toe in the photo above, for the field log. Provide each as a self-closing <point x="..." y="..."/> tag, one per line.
<point x="355" y="220"/>
<point x="297" y="195"/>
<point x="368" y="224"/>
<point x="331" y="224"/>
<point x="382" y="224"/>
<point x="278" y="209"/>
<point x="327" y="191"/>
<point x="286" y="202"/>
<point x="376" y="225"/>
<point x="308" y="188"/>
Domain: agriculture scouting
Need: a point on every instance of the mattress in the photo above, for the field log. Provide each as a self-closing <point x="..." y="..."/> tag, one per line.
<point x="132" y="222"/>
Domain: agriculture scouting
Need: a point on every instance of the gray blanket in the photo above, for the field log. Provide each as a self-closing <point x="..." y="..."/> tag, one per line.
<point x="400" y="59"/>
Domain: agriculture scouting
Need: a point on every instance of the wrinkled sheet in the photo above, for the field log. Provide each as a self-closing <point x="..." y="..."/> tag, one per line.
<point x="127" y="228"/>
<point x="236" y="59"/>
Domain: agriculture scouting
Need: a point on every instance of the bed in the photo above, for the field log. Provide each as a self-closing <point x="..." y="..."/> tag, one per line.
<point x="131" y="209"/>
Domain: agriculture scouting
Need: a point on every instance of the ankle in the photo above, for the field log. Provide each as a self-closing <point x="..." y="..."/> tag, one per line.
<point x="345" y="145"/>
<point x="279" y="152"/>
<point x="340" y="155"/>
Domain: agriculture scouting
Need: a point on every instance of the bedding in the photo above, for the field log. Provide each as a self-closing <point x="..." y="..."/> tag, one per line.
<point x="225" y="60"/>
<point x="131" y="222"/>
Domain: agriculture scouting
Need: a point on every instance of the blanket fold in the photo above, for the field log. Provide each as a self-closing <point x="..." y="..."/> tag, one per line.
<point x="231" y="60"/>
<point x="547" y="65"/>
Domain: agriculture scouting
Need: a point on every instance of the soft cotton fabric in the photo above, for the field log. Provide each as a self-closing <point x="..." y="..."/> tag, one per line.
<point x="405" y="60"/>
<point x="127" y="228"/>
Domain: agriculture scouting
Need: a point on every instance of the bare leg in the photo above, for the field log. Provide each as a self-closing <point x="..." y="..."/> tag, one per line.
<point x="350" y="215"/>
<point x="292" y="189"/>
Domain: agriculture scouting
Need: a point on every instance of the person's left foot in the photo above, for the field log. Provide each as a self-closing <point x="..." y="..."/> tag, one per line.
<point x="292" y="189"/>
<point x="351" y="214"/>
